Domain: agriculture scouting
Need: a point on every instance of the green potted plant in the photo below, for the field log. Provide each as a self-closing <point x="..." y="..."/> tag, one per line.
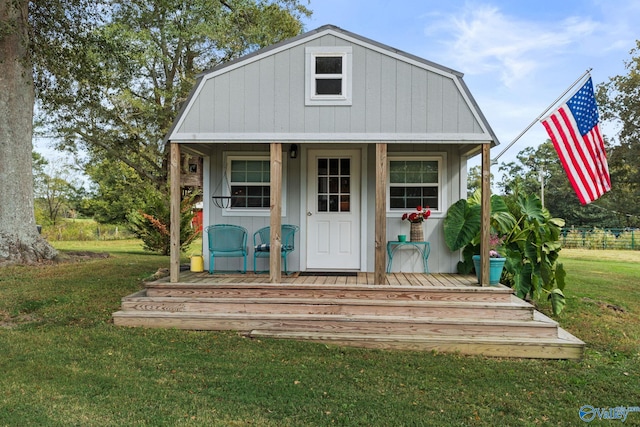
<point x="496" y="260"/>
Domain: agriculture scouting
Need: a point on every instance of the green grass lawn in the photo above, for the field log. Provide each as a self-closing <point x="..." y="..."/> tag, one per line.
<point x="63" y="362"/>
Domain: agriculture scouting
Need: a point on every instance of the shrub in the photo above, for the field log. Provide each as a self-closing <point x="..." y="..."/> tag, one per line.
<point x="153" y="224"/>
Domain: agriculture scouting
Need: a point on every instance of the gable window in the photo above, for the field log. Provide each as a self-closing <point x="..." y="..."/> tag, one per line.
<point x="249" y="184"/>
<point x="415" y="181"/>
<point x="328" y="75"/>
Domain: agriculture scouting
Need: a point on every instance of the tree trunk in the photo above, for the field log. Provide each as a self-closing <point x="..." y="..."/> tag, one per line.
<point x="19" y="238"/>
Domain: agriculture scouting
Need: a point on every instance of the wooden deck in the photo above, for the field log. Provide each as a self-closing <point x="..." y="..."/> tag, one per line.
<point x="393" y="279"/>
<point x="442" y="312"/>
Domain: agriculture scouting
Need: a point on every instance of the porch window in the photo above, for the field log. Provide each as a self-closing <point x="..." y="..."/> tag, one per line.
<point x="415" y="182"/>
<point x="250" y="183"/>
<point x="247" y="180"/>
<point x="328" y="75"/>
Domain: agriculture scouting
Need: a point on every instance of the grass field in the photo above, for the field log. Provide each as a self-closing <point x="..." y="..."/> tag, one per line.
<point x="64" y="363"/>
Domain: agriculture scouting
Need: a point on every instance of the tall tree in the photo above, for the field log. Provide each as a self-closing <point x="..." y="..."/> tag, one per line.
<point x="619" y="101"/>
<point x="19" y="239"/>
<point x="136" y="70"/>
<point x="54" y="188"/>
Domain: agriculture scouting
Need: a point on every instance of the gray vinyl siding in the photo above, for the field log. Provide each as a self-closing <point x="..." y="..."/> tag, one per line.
<point x="267" y="96"/>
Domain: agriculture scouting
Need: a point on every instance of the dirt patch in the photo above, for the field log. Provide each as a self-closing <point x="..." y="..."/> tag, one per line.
<point x="9" y="322"/>
<point x="605" y="305"/>
<point x="76" y="256"/>
<point x="87" y="254"/>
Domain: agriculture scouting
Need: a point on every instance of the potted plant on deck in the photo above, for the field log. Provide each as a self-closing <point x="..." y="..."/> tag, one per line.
<point x="496" y="260"/>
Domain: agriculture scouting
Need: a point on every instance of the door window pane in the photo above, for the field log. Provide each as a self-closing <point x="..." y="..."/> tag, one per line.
<point x="345" y="167"/>
<point x="322" y="203"/>
<point x="333" y="184"/>
<point x="323" y="167"/>
<point x="345" y="203"/>
<point x="333" y="166"/>
<point x="333" y="203"/>
<point x="345" y="184"/>
<point x="322" y="185"/>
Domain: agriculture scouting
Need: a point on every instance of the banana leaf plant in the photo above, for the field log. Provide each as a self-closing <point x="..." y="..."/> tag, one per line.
<point x="531" y="244"/>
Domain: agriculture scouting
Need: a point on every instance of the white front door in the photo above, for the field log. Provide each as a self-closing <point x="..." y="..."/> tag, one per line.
<point x="333" y="209"/>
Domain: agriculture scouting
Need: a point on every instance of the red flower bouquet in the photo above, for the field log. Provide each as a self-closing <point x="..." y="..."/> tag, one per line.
<point x="420" y="215"/>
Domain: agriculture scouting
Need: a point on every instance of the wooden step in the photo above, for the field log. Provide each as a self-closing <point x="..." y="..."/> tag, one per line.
<point x="264" y="290"/>
<point x="399" y="325"/>
<point x="516" y="309"/>
<point x="565" y="346"/>
<point x="466" y="319"/>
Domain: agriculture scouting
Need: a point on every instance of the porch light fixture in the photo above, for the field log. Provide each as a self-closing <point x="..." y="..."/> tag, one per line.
<point x="293" y="151"/>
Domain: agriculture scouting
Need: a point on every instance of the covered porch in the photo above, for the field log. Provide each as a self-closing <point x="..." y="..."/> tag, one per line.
<point x="373" y="236"/>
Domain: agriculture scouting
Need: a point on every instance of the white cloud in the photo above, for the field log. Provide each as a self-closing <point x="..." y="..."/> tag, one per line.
<point x="483" y="40"/>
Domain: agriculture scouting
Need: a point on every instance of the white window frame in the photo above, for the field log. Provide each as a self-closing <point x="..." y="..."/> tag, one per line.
<point x="266" y="211"/>
<point x="344" y="52"/>
<point x="438" y="157"/>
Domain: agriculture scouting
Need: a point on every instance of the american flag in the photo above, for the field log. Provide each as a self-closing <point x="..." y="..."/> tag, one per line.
<point x="575" y="133"/>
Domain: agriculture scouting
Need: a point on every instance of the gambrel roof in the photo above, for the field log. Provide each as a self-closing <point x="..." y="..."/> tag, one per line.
<point x="396" y="97"/>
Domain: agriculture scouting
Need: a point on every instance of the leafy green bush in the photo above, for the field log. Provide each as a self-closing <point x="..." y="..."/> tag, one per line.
<point x="531" y="243"/>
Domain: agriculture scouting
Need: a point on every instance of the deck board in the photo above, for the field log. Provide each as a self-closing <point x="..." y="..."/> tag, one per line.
<point x="361" y="278"/>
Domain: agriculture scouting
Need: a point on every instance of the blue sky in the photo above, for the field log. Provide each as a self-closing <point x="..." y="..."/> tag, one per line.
<point x="517" y="56"/>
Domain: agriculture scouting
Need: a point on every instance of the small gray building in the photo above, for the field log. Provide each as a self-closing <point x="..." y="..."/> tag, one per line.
<point x="362" y="130"/>
<point x="340" y="136"/>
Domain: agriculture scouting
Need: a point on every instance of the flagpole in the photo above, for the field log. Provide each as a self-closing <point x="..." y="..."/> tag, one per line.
<point x="495" y="159"/>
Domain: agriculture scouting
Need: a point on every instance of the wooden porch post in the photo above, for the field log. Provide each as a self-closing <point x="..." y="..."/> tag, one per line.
<point x="380" y="276"/>
<point x="275" y="243"/>
<point x="174" y="267"/>
<point x="486" y="213"/>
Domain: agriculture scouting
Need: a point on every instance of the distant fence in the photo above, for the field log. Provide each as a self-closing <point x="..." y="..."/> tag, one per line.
<point x="601" y="238"/>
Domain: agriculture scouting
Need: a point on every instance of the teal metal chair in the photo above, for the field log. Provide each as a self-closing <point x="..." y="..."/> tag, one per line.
<point x="262" y="241"/>
<point x="227" y="241"/>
